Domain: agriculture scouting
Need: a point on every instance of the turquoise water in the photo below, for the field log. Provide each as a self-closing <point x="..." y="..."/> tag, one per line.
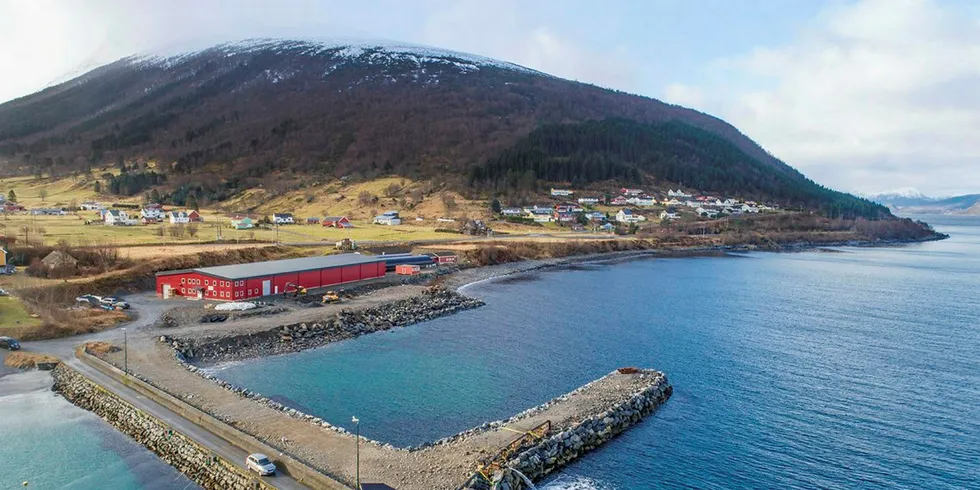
<point x="848" y="369"/>
<point x="51" y="444"/>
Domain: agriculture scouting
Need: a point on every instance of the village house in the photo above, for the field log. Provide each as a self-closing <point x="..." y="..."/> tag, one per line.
<point x="511" y="212"/>
<point x="541" y="215"/>
<point x="672" y="202"/>
<point x="628" y="216"/>
<point x="152" y="212"/>
<point x="749" y="209"/>
<point x="282" y="219"/>
<point x="692" y="204"/>
<point x="561" y="192"/>
<point x="595" y="216"/>
<point x="620" y="201"/>
<point x="565" y="217"/>
<point x="642" y="201"/>
<point x="336" y="222"/>
<point x="669" y="215"/>
<point x="178" y="217"/>
<point x="608" y="227"/>
<point x="678" y="193"/>
<point x="389" y="218"/>
<point x="91" y="206"/>
<point x="630" y="192"/>
<point x="588" y="200"/>
<point x="313" y="220"/>
<point x="12" y="207"/>
<point x="115" y="217"/>
<point x="445" y="220"/>
<point x="242" y="223"/>
<point x="707" y="213"/>
<point x="538" y="208"/>
<point x="48" y="212"/>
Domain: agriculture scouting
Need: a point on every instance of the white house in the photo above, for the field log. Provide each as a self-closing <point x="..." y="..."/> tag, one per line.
<point x="708" y="213"/>
<point x="672" y="202"/>
<point x="692" y="204"/>
<point x="177" y="217"/>
<point x="588" y="200"/>
<point x="541" y="215"/>
<point x="642" y="201"/>
<point x="115" y="217"/>
<point x="91" y="206"/>
<point x="749" y="209"/>
<point x="283" y="218"/>
<point x="628" y="216"/>
<point x="561" y="192"/>
<point x="678" y="193"/>
<point x="668" y="215"/>
<point x="630" y="192"/>
<point x="152" y="212"/>
<point x="595" y="216"/>
<point x="511" y="211"/>
<point x="389" y="218"/>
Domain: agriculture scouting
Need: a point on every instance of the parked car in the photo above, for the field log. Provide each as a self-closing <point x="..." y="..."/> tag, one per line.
<point x="89" y="300"/>
<point x="3" y="292"/>
<point x="9" y="343"/>
<point x="115" y="302"/>
<point x="260" y="464"/>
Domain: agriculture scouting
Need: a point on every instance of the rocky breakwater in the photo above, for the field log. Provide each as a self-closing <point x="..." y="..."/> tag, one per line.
<point x="557" y="450"/>
<point x="433" y="303"/>
<point x="199" y="464"/>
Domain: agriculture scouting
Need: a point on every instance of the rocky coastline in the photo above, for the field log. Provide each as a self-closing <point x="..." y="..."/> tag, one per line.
<point x="284" y="339"/>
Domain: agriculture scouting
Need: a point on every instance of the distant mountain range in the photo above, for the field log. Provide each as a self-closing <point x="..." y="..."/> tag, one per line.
<point x="911" y="201"/>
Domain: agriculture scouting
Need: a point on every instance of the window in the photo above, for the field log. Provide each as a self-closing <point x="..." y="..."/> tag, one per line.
<point x="181" y="290"/>
<point x="182" y="279"/>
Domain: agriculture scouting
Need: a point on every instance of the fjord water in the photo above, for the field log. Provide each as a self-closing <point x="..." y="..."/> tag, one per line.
<point x="51" y="444"/>
<point x="854" y="368"/>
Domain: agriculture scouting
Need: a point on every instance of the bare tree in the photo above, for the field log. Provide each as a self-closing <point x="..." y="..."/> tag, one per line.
<point x="449" y="201"/>
<point x="392" y="190"/>
<point x="365" y="198"/>
<point x="43" y="193"/>
<point x="192" y="230"/>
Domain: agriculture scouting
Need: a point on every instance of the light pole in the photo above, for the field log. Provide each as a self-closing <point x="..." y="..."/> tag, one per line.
<point x="357" y="451"/>
<point x="125" y="352"/>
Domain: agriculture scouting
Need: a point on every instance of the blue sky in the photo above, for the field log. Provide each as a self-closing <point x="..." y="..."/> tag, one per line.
<point x="861" y="95"/>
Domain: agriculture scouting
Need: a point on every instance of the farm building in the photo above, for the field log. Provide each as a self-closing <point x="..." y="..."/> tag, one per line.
<point x="336" y="222"/>
<point x="245" y="281"/>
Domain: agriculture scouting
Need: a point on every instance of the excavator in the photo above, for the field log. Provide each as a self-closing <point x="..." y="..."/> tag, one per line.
<point x="331" y="297"/>
<point x="292" y="290"/>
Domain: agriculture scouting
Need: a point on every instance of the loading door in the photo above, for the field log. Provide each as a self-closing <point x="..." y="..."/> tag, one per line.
<point x="266" y="287"/>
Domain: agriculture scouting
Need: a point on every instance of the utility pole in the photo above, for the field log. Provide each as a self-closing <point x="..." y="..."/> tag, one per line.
<point x="357" y="451"/>
<point x="125" y="351"/>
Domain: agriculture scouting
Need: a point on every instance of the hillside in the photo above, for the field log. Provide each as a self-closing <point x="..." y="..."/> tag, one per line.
<point x="284" y="114"/>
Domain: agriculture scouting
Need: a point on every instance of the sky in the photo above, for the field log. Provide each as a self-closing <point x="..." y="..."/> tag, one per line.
<point x="860" y="95"/>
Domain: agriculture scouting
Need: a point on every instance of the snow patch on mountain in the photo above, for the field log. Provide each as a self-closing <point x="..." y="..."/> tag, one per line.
<point x="373" y="51"/>
<point x="903" y="192"/>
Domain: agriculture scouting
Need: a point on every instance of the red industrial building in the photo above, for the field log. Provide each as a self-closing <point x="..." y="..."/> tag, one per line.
<point x="247" y="281"/>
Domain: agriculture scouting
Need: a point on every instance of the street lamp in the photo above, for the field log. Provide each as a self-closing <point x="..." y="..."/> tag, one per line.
<point x="125" y="352"/>
<point x="357" y="451"/>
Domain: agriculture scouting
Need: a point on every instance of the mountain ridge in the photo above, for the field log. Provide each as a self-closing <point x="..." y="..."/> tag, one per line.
<point x="271" y="112"/>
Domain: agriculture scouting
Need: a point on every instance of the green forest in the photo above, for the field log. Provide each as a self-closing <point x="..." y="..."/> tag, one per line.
<point x="632" y="152"/>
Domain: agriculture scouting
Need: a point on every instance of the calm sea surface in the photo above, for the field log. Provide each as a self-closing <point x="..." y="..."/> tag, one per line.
<point x="51" y="444"/>
<point x="857" y="368"/>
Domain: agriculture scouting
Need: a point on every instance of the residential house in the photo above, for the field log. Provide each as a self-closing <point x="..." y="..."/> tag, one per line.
<point x="630" y="192"/>
<point x="588" y="200"/>
<point x="313" y="220"/>
<point x="678" y="193"/>
<point x="595" y="216"/>
<point x="707" y="213"/>
<point x="628" y="216"/>
<point x="153" y="212"/>
<point x="445" y="220"/>
<point x="620" y="201"/>
<point x="749" y="209"/>
<point x="91" y="206"/>
<point x="242" y="223"/>
<point x="538" y="208"/>
<point x="609" y="227"/>
<point x="578" y="227"/>
<point x="565" y="217"/>
<point x="389" y="218"/>
<point x="561" y="192"/>
<point x="282" y="218"/>
<point x="178" y="217"/>
<point x="195" y="216"/>
<point x="115" y="217"/>
<point x="336" y="222"/>
<point x="511" y="212"/>
<point x="642" y="201"/>
<point x="672" y="202"/>
<point x="692" y="204"/>
<point x="669" y="215"/>
<point x="12" y="207"/>
<point x="48" y="212"/>
<point x="541" y="215"/>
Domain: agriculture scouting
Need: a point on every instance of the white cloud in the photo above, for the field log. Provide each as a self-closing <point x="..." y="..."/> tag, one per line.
<point x="874" y="95"/>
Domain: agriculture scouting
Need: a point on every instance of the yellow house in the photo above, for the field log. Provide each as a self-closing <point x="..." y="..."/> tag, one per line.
<point x="3" y="257"/>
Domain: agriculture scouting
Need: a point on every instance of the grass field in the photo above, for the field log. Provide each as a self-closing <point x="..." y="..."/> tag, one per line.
<point x="14" y="319"/>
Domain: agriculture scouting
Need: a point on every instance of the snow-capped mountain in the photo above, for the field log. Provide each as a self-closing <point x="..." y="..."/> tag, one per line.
<point x="906" y="196"/>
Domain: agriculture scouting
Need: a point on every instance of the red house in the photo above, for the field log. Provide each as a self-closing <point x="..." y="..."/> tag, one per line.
<point x="245" y="281"/>
<point x="194" y="216"/>
<point x="444" y="258"/>
<point x="336" y="222"/>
